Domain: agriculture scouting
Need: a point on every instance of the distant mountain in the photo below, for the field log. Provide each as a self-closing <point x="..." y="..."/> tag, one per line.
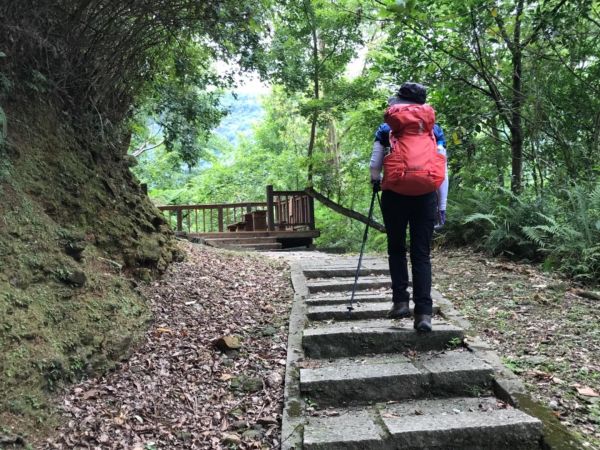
<point x="244" y="112"/>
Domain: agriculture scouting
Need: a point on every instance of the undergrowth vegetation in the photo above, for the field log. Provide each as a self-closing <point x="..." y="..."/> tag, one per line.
<point x="561" y="228"/>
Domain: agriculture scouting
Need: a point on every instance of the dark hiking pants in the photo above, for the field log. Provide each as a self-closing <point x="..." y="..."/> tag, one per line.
<point x="419" y="213"/>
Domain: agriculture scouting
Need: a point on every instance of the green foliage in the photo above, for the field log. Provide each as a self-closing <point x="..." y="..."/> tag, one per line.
<point x="181" y="105"/>
<point x="468" y="54"/>
<point x="3" y="126"/>
<point x="234" y="173"/>
<point x="562" y="229"/>
<point x="313" y="43"/>
<point x="570" y="240"/>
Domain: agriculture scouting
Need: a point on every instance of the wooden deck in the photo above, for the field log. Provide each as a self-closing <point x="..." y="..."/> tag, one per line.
<point x="285" y="220"/>
<point x="258" y="240"/>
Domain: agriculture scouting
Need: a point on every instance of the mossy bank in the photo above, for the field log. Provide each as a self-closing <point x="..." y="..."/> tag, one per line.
<point x="76" y="235"/>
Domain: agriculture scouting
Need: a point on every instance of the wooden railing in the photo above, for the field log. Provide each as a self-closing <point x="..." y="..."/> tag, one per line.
<point x="283" y="211"/>
<point x="289" y="210"/>
<point x="209" y="218"/>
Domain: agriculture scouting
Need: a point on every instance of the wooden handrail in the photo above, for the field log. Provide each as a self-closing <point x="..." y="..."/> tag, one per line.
<point x="345" y="211"/>
<point x="210" y="206"/>
<point x="276" y="193"/>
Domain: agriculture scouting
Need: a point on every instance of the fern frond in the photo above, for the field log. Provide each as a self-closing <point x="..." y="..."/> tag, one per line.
<point x="480" y="217"/>
<point x="534" y="235"/>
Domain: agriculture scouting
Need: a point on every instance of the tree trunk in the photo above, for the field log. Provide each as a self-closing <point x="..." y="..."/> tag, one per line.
<point x="315" y="116"/>
<point x="311" y="146"/>
<point x="516" y="126"/>
<point x="493" y="124"/>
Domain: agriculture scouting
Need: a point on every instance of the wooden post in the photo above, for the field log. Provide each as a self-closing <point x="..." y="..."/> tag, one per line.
<point x="220" y="218"/>
<point x="179" y="220"/>
<point x="311" y="213"/>
<point x="270" y="217"/>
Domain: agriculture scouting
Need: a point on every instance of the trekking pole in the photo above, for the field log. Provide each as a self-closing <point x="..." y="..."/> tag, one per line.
<point x="362" y="249"/>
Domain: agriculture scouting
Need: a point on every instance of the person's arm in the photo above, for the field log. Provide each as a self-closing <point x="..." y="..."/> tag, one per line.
<point x="377" y="160"/>
<point x="443" y="189"/>
<point x="382" y="140"/>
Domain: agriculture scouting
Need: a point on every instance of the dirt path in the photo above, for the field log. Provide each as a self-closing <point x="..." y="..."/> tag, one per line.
<point x="545" y="331"/>
<point x="178" y="390"/>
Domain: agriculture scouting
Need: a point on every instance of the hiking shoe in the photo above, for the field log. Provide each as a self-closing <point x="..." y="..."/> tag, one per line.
<point x="423" y="322"/>
<point x="399" y="310"/>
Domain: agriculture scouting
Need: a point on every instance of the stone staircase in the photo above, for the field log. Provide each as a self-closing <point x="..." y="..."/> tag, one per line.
<point x="366" y="382"/>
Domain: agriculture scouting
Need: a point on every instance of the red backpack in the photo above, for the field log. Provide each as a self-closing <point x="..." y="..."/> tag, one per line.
<point x="413" y="167"/>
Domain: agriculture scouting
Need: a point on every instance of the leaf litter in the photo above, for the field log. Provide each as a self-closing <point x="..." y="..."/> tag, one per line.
<point x="181" y="391"/>
<point x="544" y="329"/>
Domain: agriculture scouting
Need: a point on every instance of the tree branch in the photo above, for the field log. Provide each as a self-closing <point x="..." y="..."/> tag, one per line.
<point x="503" y="33"/>
<point x="142" y="149"/>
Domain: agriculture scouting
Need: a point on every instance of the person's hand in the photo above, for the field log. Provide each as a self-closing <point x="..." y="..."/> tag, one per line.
<point x="442" y="218"/>
<point x="376" y="185"/>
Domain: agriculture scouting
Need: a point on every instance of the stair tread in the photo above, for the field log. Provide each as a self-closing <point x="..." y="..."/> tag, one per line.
<point x="359" y="371"/>
<point x="374" y="379"/>
<point x="347" y="280"/>
<point x="344" y="272"/>
<point x="447" y="423"/>
<point x="373" y="325"/>
<point x="377" y="295"/>
<point x="363" y="310"/>
<point x="331" y="298"/>
<point x="358" y="428"/>
<point x="326" y="340"/>
<point x="378" y="366"/>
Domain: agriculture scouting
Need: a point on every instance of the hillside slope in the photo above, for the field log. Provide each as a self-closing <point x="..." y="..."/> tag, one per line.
<point x="75" y="234"/>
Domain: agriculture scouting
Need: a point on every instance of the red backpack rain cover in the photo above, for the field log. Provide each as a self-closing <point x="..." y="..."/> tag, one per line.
<point x="413" y="167"/>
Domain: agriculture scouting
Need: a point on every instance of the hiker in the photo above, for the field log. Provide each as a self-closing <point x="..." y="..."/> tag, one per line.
<point x="414" y="197"/>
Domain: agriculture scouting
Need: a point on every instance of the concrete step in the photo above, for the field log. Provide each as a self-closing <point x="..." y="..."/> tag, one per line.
<point x="361" y="311"/>
<point x="375" y="336"/>
<point x="255" y="246"/>
<point x="332" y="298"/>
<point x="344" y="271"/>
<point x="264" y="233"/>
<point x="265" y="246"/>
<point x="448" y="424"/>
<point x="363" y="296"/>
<point x="219" y="242"/>
<point x="395" y="377"/>
<point x="346" y="284"/>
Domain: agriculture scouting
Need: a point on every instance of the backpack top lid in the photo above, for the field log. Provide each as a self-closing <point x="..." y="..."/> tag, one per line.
<point x="413" y="91"/>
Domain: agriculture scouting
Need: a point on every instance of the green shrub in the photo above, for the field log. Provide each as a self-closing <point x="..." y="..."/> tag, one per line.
<point x="560" y="228"/>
